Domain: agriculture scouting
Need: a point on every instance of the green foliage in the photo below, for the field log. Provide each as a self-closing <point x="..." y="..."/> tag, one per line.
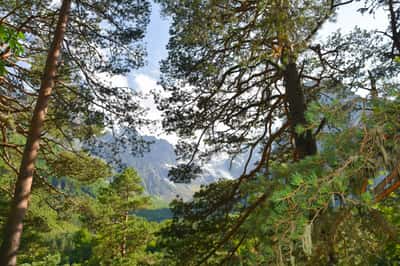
<point x="80" y="108"/>
<point x="224" y="77"/>
<point x="316" y="211"/>
<point x="10" y="40"/>
<point x="122" y="238"/>
<point x="58" y="230"/>
<point x="79" y="166"/>
<point x="228" y="59"/>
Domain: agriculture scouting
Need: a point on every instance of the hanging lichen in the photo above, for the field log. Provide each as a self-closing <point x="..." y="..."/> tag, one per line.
<point x="307" y="240"/>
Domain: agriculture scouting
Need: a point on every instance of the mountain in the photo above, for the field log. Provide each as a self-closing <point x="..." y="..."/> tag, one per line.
<point x="153" y="167"/>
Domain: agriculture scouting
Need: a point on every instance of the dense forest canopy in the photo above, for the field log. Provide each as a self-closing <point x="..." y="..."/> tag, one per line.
<point x="311" y="118"/>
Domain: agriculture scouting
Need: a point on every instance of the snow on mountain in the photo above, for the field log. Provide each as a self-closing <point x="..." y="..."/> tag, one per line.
<point x="153" y="167"/>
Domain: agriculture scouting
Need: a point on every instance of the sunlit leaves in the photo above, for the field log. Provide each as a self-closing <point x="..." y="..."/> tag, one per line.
<point x="10" y="40"/>
<point x="79" y="166"/>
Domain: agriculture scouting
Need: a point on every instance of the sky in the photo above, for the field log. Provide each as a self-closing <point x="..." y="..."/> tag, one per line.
<point x="145" y="79"/>
<point x="348" y="18"/>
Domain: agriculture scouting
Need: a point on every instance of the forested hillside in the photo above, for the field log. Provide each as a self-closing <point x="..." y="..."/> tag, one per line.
<point x="285" y="136"/>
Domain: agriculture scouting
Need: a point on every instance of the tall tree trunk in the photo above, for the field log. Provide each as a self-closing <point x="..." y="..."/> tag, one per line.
<point x="305" y="143"/>
<point x="14" y="225"/>
<point x="124" y="237"/>
<point x="394" y="16"/>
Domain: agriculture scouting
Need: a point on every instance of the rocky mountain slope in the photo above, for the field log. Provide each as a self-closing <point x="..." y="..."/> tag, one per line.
<point x="153" y="167"/>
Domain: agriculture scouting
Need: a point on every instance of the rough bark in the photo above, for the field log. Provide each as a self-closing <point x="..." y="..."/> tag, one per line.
<point x="389" y="184"/>
<point x="305" y="143"/>
<point x="393" y="15"/>
<point x="19" y="205"/>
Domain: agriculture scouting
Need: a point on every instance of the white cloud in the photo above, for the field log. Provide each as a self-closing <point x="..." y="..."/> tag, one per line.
<point x="115" y="80"/>
<point x="145" y="84"/>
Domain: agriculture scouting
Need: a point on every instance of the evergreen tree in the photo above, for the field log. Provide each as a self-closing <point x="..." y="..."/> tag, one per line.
<point x="242" y="77"/>
<point x="122" y="237"/>
<point x="89" y="52"/>
<point x="249" y="77"/>
<point x="14" y="225"/>
<point x="234" y="69"/>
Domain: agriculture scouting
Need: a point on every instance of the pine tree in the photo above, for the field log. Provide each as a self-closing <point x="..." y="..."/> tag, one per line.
<point x="236" y="68"/>
<point x="122" y="237"/>
<point x="14" y="225"/>
<point x="249" y="77"/>
<point x="81" y="98"/>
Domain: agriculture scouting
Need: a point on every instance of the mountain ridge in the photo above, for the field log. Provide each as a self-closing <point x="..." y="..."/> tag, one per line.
<point x="153" y="167"/>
